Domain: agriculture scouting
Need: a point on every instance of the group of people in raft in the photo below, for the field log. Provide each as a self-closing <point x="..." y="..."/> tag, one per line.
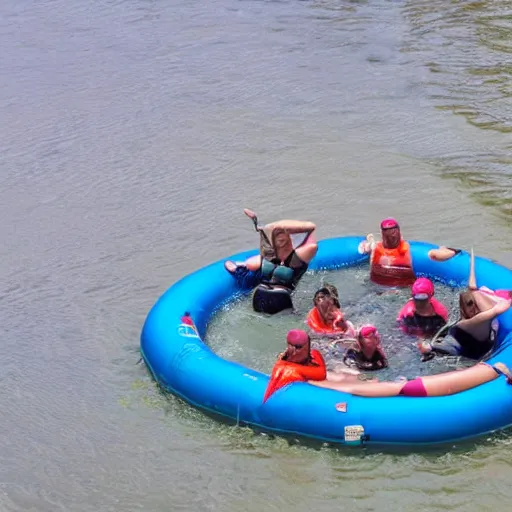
<point x="276" y="271"/>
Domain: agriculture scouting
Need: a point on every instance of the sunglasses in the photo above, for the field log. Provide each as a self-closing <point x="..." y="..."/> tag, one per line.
<point x="297" y="346"/>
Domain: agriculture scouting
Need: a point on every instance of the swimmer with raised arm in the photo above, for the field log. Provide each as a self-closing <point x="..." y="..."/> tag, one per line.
<point x="279" y="264"/>
<point x="474" y="334"/>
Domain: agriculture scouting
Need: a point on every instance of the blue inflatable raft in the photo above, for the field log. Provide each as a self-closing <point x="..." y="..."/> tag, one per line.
<point x="183" y="365"/>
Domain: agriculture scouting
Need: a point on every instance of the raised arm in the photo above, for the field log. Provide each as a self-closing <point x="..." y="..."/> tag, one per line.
<point x="293" y="226"/>
<point x="472" y="275"/>
<point x="499" y="308"/>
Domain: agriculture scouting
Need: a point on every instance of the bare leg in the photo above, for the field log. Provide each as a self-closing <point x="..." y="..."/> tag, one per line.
<point x="253" y="264"/>
<point x="370" y="389"/>
<point x="441" y="254"/>
<point x="457" y="381"/>
<point x="342" y="376"/>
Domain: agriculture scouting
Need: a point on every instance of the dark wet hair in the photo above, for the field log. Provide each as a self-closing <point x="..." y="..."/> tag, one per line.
<point x="331" y="291"/>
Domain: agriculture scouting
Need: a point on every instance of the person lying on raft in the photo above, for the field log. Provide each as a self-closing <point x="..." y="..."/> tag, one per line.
<point x="367" y="353"/>
<point x="326" y="317"/>
<point x="279" y="264"/>
<point x="300" y="364"/>
<point x="422" y="314"/>
<point x="390" y="260"/>
<point x="433" y="385"/>
<point x="474" y="334"/>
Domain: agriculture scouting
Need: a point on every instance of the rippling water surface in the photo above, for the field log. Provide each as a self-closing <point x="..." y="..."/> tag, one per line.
<point x="133" y="134"/>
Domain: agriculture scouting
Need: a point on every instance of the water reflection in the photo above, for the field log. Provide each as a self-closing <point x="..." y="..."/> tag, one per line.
<point x="467" y="49"/>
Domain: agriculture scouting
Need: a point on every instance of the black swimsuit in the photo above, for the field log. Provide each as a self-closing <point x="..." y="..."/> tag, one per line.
<point x="470" y="347"/>
<point x="274" y="293"/>
<point x="418" y="324"/>
<point x="356" y="358"/>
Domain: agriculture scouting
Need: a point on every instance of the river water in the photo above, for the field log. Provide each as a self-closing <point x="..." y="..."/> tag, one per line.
<point x="134" y="133"/>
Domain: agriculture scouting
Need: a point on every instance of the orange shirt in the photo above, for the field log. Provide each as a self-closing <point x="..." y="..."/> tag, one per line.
<point x="392" y="267"/>
<point x="285" y="373"/>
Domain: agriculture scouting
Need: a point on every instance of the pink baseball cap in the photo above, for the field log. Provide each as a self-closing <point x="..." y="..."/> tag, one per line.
<point x="389" y="223"/>
<point x="367" y="330"/>
<point x="297" y="337"/>
<point x="422" y="289"/>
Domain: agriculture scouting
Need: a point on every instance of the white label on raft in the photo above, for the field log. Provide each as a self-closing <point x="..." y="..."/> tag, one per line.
<point x="353" y="433"/>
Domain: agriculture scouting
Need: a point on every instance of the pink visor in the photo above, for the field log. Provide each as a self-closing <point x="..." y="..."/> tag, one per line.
<point x="389" y="223"/>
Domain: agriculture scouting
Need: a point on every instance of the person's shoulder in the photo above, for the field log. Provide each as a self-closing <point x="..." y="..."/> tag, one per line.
<point x="404" y="246"/>
<point x="407" y="310"/>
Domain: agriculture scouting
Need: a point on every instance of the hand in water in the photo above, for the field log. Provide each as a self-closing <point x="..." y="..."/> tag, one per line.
<point x="426" y="351"/>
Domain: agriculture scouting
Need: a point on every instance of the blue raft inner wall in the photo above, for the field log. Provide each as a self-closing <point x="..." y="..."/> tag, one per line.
<point x="182" y="364"/>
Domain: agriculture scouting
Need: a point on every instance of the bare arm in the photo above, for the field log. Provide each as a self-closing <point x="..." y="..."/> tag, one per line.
<point x="253" y="263"/>
<point x="472" y="276"/>
<point x="292" y="226"/>
<point x="307" y="251"/>
<point x="484" y="316"/>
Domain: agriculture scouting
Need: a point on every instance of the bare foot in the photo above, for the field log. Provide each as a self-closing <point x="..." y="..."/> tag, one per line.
<point x="231" y="266"/>
<point x="503" y="369"/>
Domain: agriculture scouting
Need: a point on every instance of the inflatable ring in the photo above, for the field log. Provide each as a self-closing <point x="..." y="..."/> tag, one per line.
<point x="182" y="364"/>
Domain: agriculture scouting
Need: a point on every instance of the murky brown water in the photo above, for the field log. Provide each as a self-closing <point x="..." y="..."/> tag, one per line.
<point x="133" y="134"/>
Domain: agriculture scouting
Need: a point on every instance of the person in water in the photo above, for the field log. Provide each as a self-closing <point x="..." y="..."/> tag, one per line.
<point x="390" y="259"/>
<point x="326" y="317"/>
<point x="279" y="265"/>
<point x="474" y="334"/>
<point x="300" y="363"/>
<point x="422" y="314"/>
<point x="367" y="354"/>
<point x="297" y="364"/>
<point x="433" y="385"/>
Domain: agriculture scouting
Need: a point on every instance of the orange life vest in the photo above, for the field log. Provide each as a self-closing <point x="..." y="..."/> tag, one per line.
<point x="285" y="373"/>
<point x="392" y="267"/>
<point x="317" y="324"/>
